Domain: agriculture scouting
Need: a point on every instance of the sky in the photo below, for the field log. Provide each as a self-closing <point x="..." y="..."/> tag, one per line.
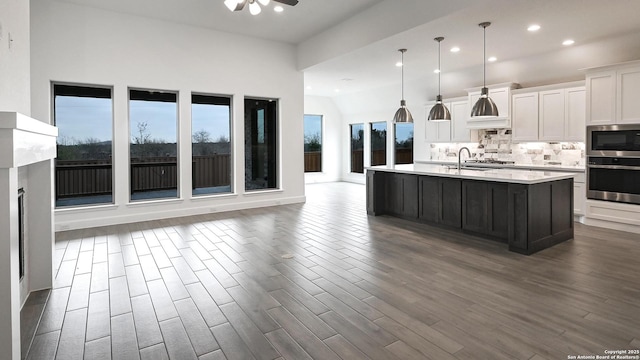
<point x="81" y="118"/>
<point x="312" y="125"/>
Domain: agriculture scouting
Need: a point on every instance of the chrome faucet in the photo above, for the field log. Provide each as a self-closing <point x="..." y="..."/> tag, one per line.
<point x="460" y="153"/>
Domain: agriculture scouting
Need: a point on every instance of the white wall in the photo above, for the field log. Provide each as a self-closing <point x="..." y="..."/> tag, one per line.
<point x="14" y="56"/>
<point x="77" y="44"/>
<point x="377" y="105"/>
<point x="331" y="138"/>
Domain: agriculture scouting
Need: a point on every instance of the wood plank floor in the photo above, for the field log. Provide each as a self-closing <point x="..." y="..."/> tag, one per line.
<point x="323" y="280"/>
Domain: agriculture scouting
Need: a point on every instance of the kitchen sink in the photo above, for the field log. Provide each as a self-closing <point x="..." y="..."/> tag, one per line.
<point x="468" y="167"/>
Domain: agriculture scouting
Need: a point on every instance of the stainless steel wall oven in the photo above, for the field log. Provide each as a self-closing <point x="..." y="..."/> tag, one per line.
<point x="613" y="163"/>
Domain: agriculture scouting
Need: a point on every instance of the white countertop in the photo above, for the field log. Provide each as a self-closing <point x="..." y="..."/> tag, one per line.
<point x="499" y="175"/>
<point x="567" y="168"/>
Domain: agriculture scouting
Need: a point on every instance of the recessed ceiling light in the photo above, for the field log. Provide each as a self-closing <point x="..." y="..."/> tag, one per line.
<point x="337" y="90"/>
<point x="534" y="27"/>
<point x="455" y="49"/>
<point x="492" y="59"/>
<point x="308" y="87"/>
<point x="568" y="42"/>
<point x="278" y="9"/>
<point x="437" y="71"/>
<point x="399" y="64"/>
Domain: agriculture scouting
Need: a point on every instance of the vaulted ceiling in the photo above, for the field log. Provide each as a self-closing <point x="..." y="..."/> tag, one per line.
<point x="351" y="45"/>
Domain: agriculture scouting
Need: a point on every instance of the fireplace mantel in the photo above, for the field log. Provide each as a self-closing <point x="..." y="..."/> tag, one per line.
<point x="31" y="145"/>
<point x="24" y="140"/>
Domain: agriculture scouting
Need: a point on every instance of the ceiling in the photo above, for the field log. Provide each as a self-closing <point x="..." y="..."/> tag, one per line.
<point x="293" y="25"/>
<point x="604" y="32"/>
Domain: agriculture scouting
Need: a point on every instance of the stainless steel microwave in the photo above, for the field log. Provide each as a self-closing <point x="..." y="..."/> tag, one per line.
<point x="614" y="140"/>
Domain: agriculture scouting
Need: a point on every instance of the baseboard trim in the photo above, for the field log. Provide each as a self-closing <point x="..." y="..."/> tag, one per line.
<point x="175" y="212"/>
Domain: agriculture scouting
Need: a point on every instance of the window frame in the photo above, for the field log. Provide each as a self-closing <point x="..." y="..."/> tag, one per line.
<point x="351" y="147"/>
<point x="232" y="155"/>
<point x="321" y="142"/>
<point x="386" y="136"/>
<point x="278" y="146"/>
<point x="178" y="163"/>
<point x="114" y="161"/>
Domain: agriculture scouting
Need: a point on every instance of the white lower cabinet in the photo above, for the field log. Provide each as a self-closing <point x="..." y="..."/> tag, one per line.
<point x="579" y="194"/>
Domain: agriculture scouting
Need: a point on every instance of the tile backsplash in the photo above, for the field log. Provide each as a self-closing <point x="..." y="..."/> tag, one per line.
<point x="497" y="144"/>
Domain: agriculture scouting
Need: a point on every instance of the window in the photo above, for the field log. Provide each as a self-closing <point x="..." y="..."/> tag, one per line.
<point x="312" y="143"/>
<point x="153" y="148"/>
<point x="261" y="143"/>
<point x="357" y="148"/>
<point x="210" y="144"/>
<point x="84" y="117"/>
<point x="378" y="143"/>
<point x="404" y="143"/>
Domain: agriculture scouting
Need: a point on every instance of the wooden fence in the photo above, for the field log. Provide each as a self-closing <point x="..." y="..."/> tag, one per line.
<point x="313" y="161"/>
<point x="94" y="177"/>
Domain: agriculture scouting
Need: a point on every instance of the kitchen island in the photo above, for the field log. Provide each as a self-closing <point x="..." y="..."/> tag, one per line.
<point x="528" y="210"/>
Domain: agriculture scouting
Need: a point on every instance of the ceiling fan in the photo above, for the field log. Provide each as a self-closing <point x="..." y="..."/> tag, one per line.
<point x="254" y="7"/>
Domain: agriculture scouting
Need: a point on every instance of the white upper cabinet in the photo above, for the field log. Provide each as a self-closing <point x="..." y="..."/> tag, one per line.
<point x="612" y="94"/>
<point x="525" y="117"/>
<point x="575" y="104"/>
<point x="552" y="113"/>
<point x="451" y="131"/>
<point x="628" y="96"/>
<point x="460" y="111"/>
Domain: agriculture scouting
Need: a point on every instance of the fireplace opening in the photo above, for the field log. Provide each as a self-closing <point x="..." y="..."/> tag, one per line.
<point x="21" y="232"/>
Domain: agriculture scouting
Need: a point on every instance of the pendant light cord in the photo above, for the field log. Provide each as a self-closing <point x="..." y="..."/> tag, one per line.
<point x="402" y="72"/>
<point x="484" y="56"/>
<point x="439" y="68"/>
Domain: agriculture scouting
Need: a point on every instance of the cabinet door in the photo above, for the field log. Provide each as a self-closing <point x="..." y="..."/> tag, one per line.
<point x="500" y="96"/>
<point x="551" y="115"/>
<point x="628" y="96"/>
<point x="429" y="199"/>
<point x="579" y="198"/>
<point x="474" y="202"/>
<point x="575" y="114"/>
<point x="601" y="93"/>
<point x="459" y="115"/>
<point x="485" y="208"/>
<point x="402" y="195"/>
<point x="524" y="122"/>
<point x="451" y="202"/>
<point x="498" y="209"/>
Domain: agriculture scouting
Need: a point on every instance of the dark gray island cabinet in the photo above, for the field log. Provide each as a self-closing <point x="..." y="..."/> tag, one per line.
<point x="528" y="210"/>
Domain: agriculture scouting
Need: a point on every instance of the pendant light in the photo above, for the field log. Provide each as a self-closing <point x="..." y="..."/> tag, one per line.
<point x="439" y="111"/>
<point x="484" y="106"/>
<point x="403" y="115"/>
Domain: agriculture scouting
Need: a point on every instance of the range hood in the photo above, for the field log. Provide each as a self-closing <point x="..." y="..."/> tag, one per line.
<point x="501" y="95"/>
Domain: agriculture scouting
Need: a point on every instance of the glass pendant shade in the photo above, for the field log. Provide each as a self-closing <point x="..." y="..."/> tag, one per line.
<point x="439" y="111"/>
<point x="403" y="115"/>
<point x="484" y="106"/>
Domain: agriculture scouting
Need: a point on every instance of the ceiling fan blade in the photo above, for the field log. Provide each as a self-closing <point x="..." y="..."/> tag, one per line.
<point x="287" y="2"/>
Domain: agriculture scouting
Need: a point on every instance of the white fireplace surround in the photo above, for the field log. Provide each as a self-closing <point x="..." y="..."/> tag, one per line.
<point x="28" y="147"/>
